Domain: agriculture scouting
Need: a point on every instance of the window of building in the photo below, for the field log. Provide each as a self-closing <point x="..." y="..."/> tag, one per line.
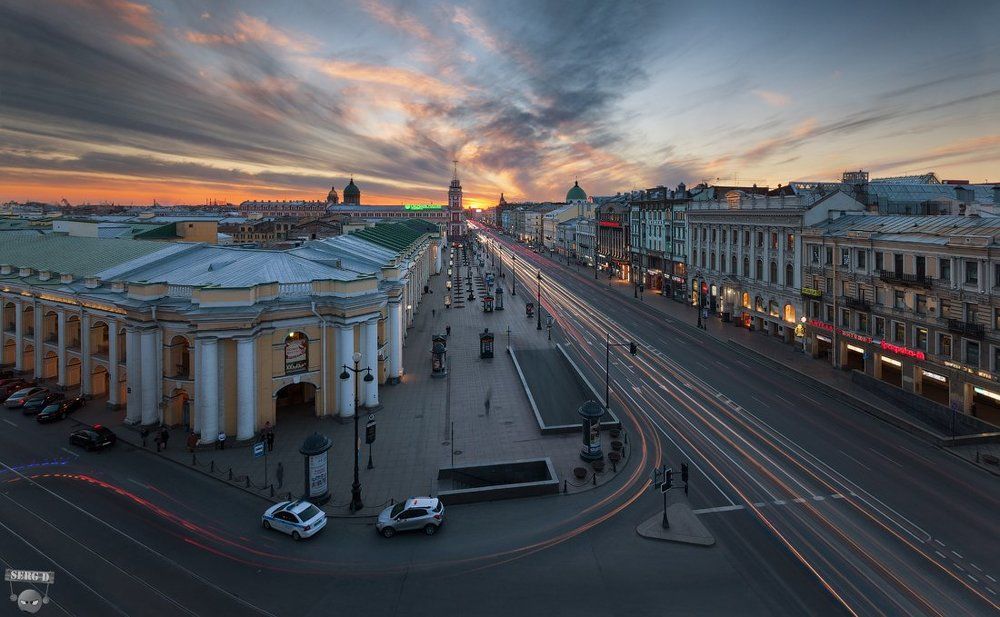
<point x="879" y="260"/>
<point x="789" y="241"/>
<point x="971" y="272"/>
<point x="711" y="261"/>
<point x="898" y="299"/>
<point x="774" y="239"/>
<point x="880" y="296"/>
<point x="845" y="288"/>
<point x="725" y="235"/>
<point x="879" y="326"/>
<point x="760" y="238"/>
<point x="970" y="312"/>
<point x="945" y="308"/>
<point x="829" y="285"/>
<point x="944" y="345"/>
<point x="944" y="269"/>
<point x="760" y="270"/>
<point x="972" y="353"/>
<point x="845" y="318"/>
<point x="773" y="272"/>
<point x="921" y="304"/>
<point x="732" y="264"/>
<point x="845" y="258"/>
<point x="863" y="322"/>
<point x="789" y="274"/>
<point x="862" y="260"/>
<point x="996" y="275"/>
<point x="829" y="256"/>
<point x="897" y="263"/>
<point x="713" y="234"/>
<point x="899" y="332"/>
<point x="746" y="267"/>
<point x="996" y="319"/>
<point x="829" y="313"/>
<point x="921" y="338"/>
<point x="814" y="249"/>
<point x="921" y="265"/>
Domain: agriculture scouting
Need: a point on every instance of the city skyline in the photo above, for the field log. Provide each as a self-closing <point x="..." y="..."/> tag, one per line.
<point x="130" y="102"/>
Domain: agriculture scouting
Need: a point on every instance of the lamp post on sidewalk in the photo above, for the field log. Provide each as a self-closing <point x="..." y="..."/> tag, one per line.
<point x="539" y="299"/>
<point x="513" y="273"/>
<point x="356" y="503"/>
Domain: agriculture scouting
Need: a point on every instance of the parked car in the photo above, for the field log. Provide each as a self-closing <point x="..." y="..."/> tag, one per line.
<point x="10" y="386"/>
<point x="40" y="401"/>
<point x="60" y="410"/>
<point x="95" y="437"/>
<point x="17" y="399"/>
<point x="426" y="513"/>
<point x="6" y="373"/>
<point x="299" y="519"/>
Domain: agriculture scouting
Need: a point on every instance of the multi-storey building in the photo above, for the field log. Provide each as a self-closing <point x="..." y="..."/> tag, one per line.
<point x="912" y="300"/>
<point x="586" y="241"/>
<point x="743" y="255"/>
<point x="652" y="235"/>
<point x="614" y="238"/>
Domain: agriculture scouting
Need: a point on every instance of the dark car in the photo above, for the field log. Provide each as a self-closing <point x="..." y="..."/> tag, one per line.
<point x="10" y="386"/>
<point x="96" y="437"/>
<point x="40" y="401"/>
<point x="18" y="398"/>
<point x="6" y="373"/>
<point x="60" y="410"/>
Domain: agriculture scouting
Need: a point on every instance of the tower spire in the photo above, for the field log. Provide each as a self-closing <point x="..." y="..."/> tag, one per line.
<point x="455" y="163"/>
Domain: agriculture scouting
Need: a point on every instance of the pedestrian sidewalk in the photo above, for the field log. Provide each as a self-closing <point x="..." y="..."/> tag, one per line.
<point x="424" y="424"/>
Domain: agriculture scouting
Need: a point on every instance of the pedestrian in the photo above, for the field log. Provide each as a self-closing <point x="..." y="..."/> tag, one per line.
<point x="157" y="440"/>
<point x="433" y="312"/>
<point x="164" y="436"/>
<point x="447" y="330"/>
<point x="222" y="440"/>
<point x="192" y="441"/>
<point x="270" y="440"/>
<point x="280" y="474"/>
<point x="144" y="433"/>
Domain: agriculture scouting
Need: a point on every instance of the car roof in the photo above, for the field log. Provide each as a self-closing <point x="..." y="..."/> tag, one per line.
<point x="422" y="502"/>
<point x="297" y="507"/>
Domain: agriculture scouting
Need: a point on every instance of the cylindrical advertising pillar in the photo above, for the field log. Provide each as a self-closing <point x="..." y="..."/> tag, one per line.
<point x="315" y="466"/>
<point x="591" y="413"/>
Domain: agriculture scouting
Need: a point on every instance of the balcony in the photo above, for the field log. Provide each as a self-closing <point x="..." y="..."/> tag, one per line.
<point x="857" y="304"/>
<point x="965" y="328"/>
<point x="913" y="280"/>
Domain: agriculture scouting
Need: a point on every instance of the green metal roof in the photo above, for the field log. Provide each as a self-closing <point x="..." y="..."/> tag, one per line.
<point x="576" y="193"/>
<point x="73" y="255"/>
<point x="394" y="236"/>
<point x="421" y="225"/>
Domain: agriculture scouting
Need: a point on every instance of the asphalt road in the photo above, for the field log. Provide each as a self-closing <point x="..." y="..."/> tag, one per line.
<point x="883" y="522"/>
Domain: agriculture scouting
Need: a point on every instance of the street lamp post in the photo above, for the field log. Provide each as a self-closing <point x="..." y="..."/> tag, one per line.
<point x="633" y="349"/>
<point x="539" y="299"/>
<point x="356" y="503"/>
<point x="513" y="273"/>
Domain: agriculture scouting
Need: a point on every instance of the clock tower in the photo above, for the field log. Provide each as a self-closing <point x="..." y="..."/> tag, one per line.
<point x="456" y="223"/>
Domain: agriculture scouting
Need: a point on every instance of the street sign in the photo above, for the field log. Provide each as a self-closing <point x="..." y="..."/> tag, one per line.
<point x="258" y="449"/>
<point x="370" y="432"/>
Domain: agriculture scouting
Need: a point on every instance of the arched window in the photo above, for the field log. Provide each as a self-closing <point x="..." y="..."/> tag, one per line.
<point x="732" y="269"/>
<point x="772" y="308"/>
<point x="746" y="300"/>
<point x="759" y="274"/>
<point x="711" y="261"/>
<point x="789" y="313"/>
<point x="759" y="304"/>
<point x="773" y="272"/>
<point x="746" y="267"/>
<point x="296" y="353"/>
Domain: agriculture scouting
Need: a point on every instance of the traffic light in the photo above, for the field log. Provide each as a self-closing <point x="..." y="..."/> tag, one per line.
<point x="633" y="348"/>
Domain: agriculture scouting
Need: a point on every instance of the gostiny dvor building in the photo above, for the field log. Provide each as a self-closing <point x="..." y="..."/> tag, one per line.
<point x="220" y="339"/>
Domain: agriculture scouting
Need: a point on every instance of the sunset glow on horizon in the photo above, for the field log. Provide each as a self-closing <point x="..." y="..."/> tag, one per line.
<point x="129" y="101"/>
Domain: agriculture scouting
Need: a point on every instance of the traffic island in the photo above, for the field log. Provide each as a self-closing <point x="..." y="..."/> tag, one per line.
<point x="684" y="527"/>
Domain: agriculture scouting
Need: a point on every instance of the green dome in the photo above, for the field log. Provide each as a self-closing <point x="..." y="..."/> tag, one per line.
<point x="575" y="194"/>
<point x="352" y="190"/>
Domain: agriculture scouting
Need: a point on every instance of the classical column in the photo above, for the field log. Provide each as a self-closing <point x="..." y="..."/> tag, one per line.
<point x="345" y="351"/>
<point x="437" y="260"/>
<point x="395" y="341"/>
<point x="85" y="360"/>
<point x="782" y="237"/>
<point x="207" y="387"/>
<point x="133" y="375"/>
<point x="61" y="336"/>
<point x="39" y="341"/>
<point x="18" y="335"/>
<point x="221" y="396"/>
<point x="246" y="387"/>
<point x="370" y="359"/>
<point x="113" y="392"/>
<point x="147" y="393"/>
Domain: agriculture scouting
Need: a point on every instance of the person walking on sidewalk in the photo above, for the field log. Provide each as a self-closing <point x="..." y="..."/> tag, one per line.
<point x="280" y="474"/>
<point x="447" y="330"/>
<point x="222" y="440"/>
<point x="144" y="434"/>
<point x="270" y="439"/>
<point x="164" y="437"/>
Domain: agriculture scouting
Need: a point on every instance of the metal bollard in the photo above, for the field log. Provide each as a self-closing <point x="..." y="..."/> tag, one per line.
<point x="272" y="490"/>
<point x="230" y="474"/>
<point x="565" y="488"/>
<point x="211" y="467"/>
<point x="194" y="460"/>
<point x="595" y="478"/>
<point x="614" y="467"/>
<point x="248" y="481"/>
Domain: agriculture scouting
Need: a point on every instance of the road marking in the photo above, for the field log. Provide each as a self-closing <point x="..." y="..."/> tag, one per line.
<point x="991" y="578"/>
<point x="975" y="566"/>
<point x="991" y="591"/>
<point x="941" y="555"/>
<point x="718" y="362"/>
<point x="759" y="504"/>
<point x="759" y="401"/>
<point x="897" y="464"/>
<point x="70" y="452"/>
<point x="957" y="554"/>
<point x="939" y="542"/>
<point x="958" y="566"/>
<point x="782" y="398"/>
<point x="9" y="422"/>
<point x="972" y="578"/>
<point x="719" y="509"/>
<point x="133" y="481"/>
<point x="799" y="500"/>
<point x="780" y="502"/>
<point x="701" y="365"/>
<point x="818" y="498"/>
<point x="836" y="496"/>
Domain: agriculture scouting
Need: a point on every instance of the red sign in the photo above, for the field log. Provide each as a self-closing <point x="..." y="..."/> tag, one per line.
<point x="904" y="351"/>
<point x="614" y="224"/>
<point x="820" y="324"/>
<point x="846" y="333"/>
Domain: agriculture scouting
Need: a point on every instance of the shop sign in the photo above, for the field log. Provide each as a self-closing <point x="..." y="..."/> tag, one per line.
<point x="809" y="292"/>
<point x="840" y="331"/>
<point x="614" y="224"/>
<point x="972" y="371"/>
<point x="903" y="351"/>
<point x="825" y="339"/>
<point x="421" y="207"/>
<point x="676" y="279"/>
<point x="296" y="353"/>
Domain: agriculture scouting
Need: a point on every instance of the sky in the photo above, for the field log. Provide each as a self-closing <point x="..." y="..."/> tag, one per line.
<point x="130" y="101"/>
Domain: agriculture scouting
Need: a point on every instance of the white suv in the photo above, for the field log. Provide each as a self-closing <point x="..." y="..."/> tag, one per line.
<point x="299" y="519"/>
<point x="426" y="513"/>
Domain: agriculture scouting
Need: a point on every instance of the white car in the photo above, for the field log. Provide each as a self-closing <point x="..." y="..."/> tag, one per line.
<point x="426" y="513"/>
<point x="299" y="519"/>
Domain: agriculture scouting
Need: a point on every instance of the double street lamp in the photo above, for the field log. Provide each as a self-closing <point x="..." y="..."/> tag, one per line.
<point x="356" y="503"/>
<point x="539" y="299"/>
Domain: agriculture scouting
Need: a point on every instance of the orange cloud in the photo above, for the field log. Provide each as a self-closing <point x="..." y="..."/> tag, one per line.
<point x="772" y="98"/>
<point x="249" y="29"/>
<point x="405" y="79"/>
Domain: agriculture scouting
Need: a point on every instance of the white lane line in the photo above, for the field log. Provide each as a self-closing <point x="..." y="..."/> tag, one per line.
<point x="134" y="481"/>
<point x="958" y="567"/>
<point x="939" y="542"/>
<point x="941" y="555"/>
<point x="719" y="509"/>
<point x="855" y="460"/>
<point x="991" y="591"/>
<point x="957" y="554"/>
<point x="799" y="500"/>
<point x="718" y="362"/>
<point x="9" y="422"/>
<point x="991" y="578"/>
<point x="70" y="452"/>
<point x="758" y="400"/>
<point x="836" y="496"/>
<point x="818" y="498"/>
<point x="760" y="504"/>
<point x="782" y="398"/>
<point x="975" y="566"/>
<point x="779" y="502"/>
<point x="972" y="578"/>
<point x="896" y="463"/>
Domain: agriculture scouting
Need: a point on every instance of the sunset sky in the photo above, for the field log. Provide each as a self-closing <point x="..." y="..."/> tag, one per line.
<point x="129" y="101"/>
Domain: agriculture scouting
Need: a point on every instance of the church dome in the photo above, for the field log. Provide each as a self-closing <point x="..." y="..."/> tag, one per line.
<point x="352" y="194"/>
<point x="575" y="194"/>
<point x="331" y="197"/>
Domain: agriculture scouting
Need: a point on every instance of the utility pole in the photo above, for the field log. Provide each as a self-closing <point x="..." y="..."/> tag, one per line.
<point x="539" y="299"/>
